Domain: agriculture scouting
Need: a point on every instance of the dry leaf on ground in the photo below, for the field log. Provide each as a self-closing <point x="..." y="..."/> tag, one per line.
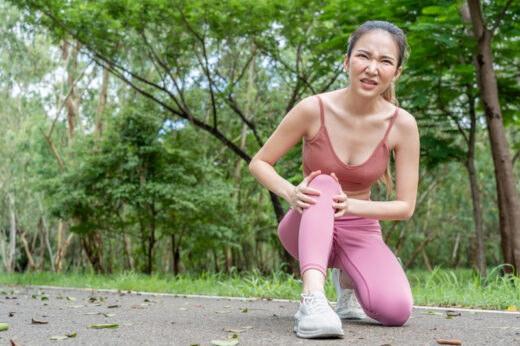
<point x="449" y="342"/>
<point x="38" y="322"/>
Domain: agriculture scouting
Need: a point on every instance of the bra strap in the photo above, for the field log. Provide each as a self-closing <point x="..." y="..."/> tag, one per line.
<point x="322" y="112"/>
<point x="391" y="123"/>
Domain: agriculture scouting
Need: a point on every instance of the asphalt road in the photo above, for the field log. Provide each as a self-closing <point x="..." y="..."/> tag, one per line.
<point x="160" y="319"/>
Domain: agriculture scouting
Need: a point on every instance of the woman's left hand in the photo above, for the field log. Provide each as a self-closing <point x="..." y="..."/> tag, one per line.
<point x="340" y="204"/>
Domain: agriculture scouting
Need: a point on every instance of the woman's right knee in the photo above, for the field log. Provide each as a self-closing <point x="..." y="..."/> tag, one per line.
<point x="325" y="184"/>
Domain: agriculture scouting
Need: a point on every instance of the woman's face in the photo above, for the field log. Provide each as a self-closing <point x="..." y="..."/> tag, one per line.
<point x="372" y="66"/>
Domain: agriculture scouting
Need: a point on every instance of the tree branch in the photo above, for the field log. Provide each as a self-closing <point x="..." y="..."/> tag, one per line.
<point x="500" y="17"/>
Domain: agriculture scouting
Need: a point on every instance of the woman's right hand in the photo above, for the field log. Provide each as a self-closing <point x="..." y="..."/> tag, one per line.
<point x="300" y="197"/>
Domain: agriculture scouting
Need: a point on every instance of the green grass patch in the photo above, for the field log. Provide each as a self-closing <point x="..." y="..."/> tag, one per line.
<point x="457" y="288"/>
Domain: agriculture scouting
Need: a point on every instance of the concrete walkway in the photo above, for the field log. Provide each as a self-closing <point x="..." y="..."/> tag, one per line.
<point x="165" y="319"/>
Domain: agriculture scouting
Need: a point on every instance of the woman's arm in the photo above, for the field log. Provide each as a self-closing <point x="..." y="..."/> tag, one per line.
<point x="298" y="123"/>
<point x="406" y="176"/>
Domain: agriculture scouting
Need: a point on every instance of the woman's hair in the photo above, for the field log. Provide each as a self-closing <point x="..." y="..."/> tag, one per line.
<point x="403" y="52"/>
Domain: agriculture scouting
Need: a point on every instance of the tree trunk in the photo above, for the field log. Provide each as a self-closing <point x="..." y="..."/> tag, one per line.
<point x="508" y="198"/>
<point x="475" y="193"/>
<point x="12" y="234"/>
<point x="46" y="234"/>
<point x="128" y="248"/>
<point x="151" y="241"/>
<point x="92" y="245"/>
<point x="101" y="103"/>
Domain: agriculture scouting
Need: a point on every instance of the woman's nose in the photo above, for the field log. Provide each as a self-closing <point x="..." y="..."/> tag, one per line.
<point x="372" y="66"/>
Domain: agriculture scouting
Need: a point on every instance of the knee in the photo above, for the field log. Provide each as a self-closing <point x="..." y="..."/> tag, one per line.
<point x="324" y="181"/>
<point x="393" y="312"/>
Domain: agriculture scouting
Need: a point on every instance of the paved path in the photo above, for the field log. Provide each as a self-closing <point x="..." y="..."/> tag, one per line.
<point x="160" y="319"/>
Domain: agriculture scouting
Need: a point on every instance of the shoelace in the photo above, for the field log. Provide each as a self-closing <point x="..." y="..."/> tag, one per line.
<point x="315" y="304"/>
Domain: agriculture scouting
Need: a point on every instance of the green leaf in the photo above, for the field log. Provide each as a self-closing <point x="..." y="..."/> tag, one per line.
<point x="104" y="326"/>
<point x="4" y="326"/>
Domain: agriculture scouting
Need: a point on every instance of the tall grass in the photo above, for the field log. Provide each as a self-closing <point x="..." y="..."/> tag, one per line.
<point x="442" y="287"/>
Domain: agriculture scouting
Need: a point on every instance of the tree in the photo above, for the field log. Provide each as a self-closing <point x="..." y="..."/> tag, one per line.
<point x="508" y="197"/>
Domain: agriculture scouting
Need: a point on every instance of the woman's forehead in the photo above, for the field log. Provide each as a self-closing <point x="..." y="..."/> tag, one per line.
<point x="377" y="42"/>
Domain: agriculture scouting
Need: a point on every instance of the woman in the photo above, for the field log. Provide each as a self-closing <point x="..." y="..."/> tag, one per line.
<point x="348" y="135"/>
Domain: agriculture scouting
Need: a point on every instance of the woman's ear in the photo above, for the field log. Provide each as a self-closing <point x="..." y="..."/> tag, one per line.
<point x="397" y="73"/>
<point x="345" y="64"/>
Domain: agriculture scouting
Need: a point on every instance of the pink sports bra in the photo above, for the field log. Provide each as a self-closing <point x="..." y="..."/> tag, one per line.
<point x="318" y="154"/>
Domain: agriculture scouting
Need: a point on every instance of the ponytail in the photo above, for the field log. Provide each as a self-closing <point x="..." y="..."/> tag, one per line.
<point x="389" y="95"/>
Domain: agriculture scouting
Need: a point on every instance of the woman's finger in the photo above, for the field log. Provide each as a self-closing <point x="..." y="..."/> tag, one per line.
<point x="305" y="198"/>
<point x="309" y="190"/>
<point x="340" y="198"/>
<point x="311" y="176"/>
<point x="335" y="177"/>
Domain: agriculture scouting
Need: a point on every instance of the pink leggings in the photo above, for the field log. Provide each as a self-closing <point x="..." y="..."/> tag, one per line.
<point x="353" y="244"/>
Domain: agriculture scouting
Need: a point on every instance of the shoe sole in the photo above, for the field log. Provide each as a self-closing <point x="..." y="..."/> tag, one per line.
<point x="330" y="332"/>
<point x="352" y="317"/>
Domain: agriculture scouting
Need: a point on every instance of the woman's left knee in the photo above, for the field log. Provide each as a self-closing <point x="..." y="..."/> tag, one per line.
<point x="394" y="312"/>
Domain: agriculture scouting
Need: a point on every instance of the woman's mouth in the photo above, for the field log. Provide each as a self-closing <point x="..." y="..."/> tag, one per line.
<point x="368" y="83"/>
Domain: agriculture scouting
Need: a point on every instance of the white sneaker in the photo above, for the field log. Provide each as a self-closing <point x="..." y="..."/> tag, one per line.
<point x="347" y="305"/>
<point x="316" y="319"/>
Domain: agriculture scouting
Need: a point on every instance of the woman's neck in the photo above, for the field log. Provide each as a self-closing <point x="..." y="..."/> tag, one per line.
<point x="359" y="105"/>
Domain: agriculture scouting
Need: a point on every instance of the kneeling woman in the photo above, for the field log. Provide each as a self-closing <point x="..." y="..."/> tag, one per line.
<point x="348" y="135"/>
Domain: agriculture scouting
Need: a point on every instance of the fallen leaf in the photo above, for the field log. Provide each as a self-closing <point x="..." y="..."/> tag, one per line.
<point x="224" y="342"/>
<point x="59" y="337"/>
<point x="72" y="335"/>
<point x="104" y="326"/>
<point x="146" y="300"/>
<point x="137" y="307"/>
<point x="512" y="308"/>
<point x="59" y="297"/>
<point x="70" y="298"/>
<point x="433" y="313"/>
<point x="44" y="298"/>
<point x="228" y="306"/>
<point x="11" y="314"/>
<point x="197" y="306"/>
<point x="245" y="310"/>
<point x="114" y="306"/>
<point x="453" y="313"/>
<point x="183" y="308"/>
<point x="92" y="313"/>
<point x="76" y="306"/>
<point x="449" y="342"/>
<point x="231" y="330"/>
<point x="4" y="326"/>
<point x="109" y="315"/>
<point x="14" y="343"/>
<point x="449" y="317"/>
<point x="222" y="312"/>
<point x="92" y="299"/>
<point x="101" y="299"/>
<point x="247" y="327"/>
<point x="38" y="322"/>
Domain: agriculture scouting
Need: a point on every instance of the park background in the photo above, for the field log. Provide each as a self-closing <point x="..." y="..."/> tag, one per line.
<point x="127" y="126"/>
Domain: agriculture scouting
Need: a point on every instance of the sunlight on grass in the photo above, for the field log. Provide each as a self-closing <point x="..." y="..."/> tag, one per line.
<point x="442" y="287"/>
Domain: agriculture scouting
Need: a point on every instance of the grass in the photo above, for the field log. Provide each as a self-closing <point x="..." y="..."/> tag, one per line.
<point x="460" y="288"/>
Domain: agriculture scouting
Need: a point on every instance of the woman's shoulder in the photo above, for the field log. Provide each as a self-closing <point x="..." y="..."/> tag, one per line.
<point x="405" y="121"/>
<point x="308" y="108"/>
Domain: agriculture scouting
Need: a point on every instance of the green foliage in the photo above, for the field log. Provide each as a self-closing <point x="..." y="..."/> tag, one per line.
<point x="442" y="287"/>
